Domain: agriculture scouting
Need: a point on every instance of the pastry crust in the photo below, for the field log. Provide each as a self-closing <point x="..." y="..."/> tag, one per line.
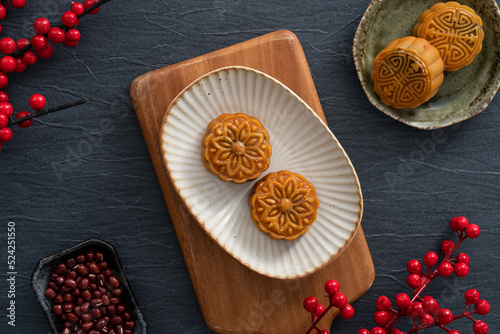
<point x="283" y="205"/>
<point x="455" y="30"/>
<point x="407" y="72"/>
<point x="236" y="148"/>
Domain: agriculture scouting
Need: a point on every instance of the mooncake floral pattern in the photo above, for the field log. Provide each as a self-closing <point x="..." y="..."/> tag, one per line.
<point x="236" y="147"/>
<point x="283" y="205"/>
<point x="455" y="30"/>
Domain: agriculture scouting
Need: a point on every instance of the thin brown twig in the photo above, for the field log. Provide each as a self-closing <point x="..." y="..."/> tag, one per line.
<point x="46" y="111"/>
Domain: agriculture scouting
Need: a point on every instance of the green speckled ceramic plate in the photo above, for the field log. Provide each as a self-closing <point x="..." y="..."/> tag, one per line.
<point x="464" y="93"/>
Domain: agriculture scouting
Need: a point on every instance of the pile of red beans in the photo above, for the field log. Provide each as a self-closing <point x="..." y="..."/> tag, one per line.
<point x="87" y="297"/>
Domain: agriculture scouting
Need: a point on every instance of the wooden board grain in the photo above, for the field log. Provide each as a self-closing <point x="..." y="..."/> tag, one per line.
<point x="233" y="298"/>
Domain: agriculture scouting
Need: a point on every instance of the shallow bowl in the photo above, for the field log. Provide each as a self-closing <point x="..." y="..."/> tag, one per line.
<point x="464" y="93"/>
<point x="41" y="277"/>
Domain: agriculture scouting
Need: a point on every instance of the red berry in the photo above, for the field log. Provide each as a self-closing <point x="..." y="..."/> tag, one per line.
<point x="458" y="224"/>
<point x="56" y="35"/>
<point x="347" y="312"/>
<point x="381" y="318"/>
<point x="18" y="3"/>
<point x="21" y="65"/>
<point x="472" y="231"/>
<point x="77" y="8"/>
<point x="4" y="120"/>
<point x="7" y="45"/>
<point x="7" y="64"/>
<point x="482" y="307"/>
<point x="415" y="310"/>
<point x="319" y="310"/>
<point x="73" y="35"/>
<point x="426" y="319"/>
<point x="46" y="52"/>
<point x="445" y="317"/>
<point x="339" y="300"/>
<point x="41" y="26"/>
<point x="363" y="331"/>
<point x="377" y="330"/>
<point x="69" y="19"/>
<point x="395" y="331"/>
<point x="430" y="305"/>
<point x="414" y="281"/>
<point x="332" y="287"/>
<point x="472" y="296"/>
<point x="69" y="43"/>
<point x="38" y="42"/>
<point x="37" y="102"/>
<point x="324" y="331"/>
<point x="24" y="124"/>
<point x="310" y="304"/>
<point x="446" y="246"/>
<point x="3" y="12"/>
<point x="5" y="135"/>
<point x="463" y="258"/>
<point x="4" y="97"/>
<point x="21" y="43"/>
<point x="480" y="327"/>
<point x="453" y="331"/>
<point x="453" y="223"/>
<point x="461" y="269"/>
<point x="383" y="303"/>
<point x="431" y="259"/>
<point x="402" y="301"/>
<point x="30" y="57"/>
<point x="89" y="3"/>
<point x="445" y="269"/>
<point x="6" y="108"/>
<point x="414" y="267"/>
<point x="4" y="80"/>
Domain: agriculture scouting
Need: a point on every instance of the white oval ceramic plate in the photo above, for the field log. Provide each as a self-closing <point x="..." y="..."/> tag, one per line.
<point x="464" y="93"/>
<point x="300" y="142"/>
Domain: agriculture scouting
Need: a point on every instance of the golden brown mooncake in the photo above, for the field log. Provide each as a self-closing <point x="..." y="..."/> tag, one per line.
<point x="236" y="148"/>
<point x="283" y="205"/>
<point x="407" y="72"/>
<point x="455" y="30"/>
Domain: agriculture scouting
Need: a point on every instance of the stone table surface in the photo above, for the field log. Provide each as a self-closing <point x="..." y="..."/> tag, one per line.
<point x="86" y="172"/>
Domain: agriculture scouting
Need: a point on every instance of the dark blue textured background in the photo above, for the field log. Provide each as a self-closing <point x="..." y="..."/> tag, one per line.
<point x="86" y="172"/>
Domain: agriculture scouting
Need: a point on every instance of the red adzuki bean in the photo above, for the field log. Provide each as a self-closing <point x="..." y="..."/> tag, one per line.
<point x="70" y="263"/>
<point x="86" y="296"/>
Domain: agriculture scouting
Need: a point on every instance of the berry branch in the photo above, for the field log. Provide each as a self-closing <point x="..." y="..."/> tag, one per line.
<point x="76" y="8"/>
<point x="29" y="117"/>
<point x="18" y="55"/>
<point x="336" y="299"/>
<point x="423" y="310"/>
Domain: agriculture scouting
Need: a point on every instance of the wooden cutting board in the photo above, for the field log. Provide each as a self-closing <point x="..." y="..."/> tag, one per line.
<point x="233" y="298"/>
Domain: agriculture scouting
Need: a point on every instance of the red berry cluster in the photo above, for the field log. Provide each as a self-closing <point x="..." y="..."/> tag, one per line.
<point x="86" y="296"/>
<point x="318" y="311"/>
<point x="18" y="55"/>
<point x="425" y="310"/>
<point x="37" y="102"/>
<point x="4" y="5"/>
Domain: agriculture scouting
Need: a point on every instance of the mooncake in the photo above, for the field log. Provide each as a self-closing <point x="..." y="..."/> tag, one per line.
<point x="236" y="148"/>
<point x="407" y="72"/>
<point x="283" y="205"/>
<point x="455" y="30"/>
